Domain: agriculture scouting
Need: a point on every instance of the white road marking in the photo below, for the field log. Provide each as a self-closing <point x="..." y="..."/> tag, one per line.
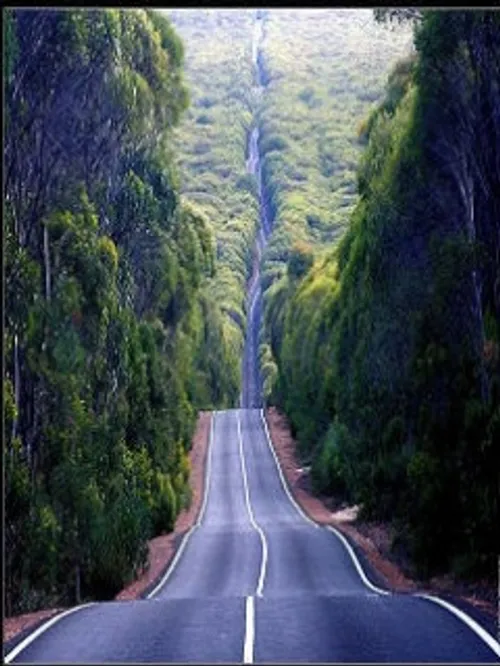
<point x="472" y="624"/>
<point x="283" y="482"/>
<point x="262" y="575"/>
<point x="172" y="566"/>
<point x="179" y="552"/>
<point x="466" y="619"/>
<point x="249" y="631"/>
<point x="356" y="562"/>
<point x="254" y="299"/>
<point x="208" y="470"/>
<point x="29" y="639"/>
<point x="311" y="522"/>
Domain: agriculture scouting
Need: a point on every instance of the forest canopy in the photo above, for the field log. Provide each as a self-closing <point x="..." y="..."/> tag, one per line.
<point x="387" y="348"/>
<point x="113" y="339"/>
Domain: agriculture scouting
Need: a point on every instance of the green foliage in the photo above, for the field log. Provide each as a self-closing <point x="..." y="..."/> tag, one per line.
<point x="323" y="81"/>
<point x="165" y="509"/>
<point x="329" y="471"/>
<point x="299" y="261"/>
<point x="211" y="145"/>
<point x="112" y="340"/>
<point x="388" y="356"/>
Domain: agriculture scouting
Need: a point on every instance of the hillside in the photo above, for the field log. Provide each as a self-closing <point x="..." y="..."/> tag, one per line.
<point x="211" y="146"/>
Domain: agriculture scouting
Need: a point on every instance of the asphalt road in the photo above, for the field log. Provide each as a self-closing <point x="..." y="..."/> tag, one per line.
<point x="308" y="601"/>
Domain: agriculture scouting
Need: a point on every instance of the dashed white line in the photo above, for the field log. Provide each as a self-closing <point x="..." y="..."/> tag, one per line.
<point x="249" y="631"/>
<point x="50" y="623"/>
<point x="262" y="575"/>
<point x="283" y="482"/>
<point x="185" y="540"/>
<point x="466" y="619"/>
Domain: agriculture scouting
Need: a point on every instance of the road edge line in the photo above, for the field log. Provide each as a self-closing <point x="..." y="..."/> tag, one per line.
<point x="22" y="645"/>
<point x="208" y="471"/>
<point x="356" y="562"/>
<point x="474" y="626"/>
<point x="280" y="472"/>
<point x="257" y="527"/>
<point x="249" y="631"/>
<point x="197" y="524"/>
<point x="464" y="617"/>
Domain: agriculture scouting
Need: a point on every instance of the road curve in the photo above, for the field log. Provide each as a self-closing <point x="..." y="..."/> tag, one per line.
<point x="308" y="601"/>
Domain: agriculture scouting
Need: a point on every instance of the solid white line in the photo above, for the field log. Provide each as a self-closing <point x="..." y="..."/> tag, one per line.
<point x="356" y="562"/>
<point x="29" y="639"/>
<point x="179" y="552"/>
<point x="311" y="522"/>
<point x="466" y="619"/>
<point x="173" y="564"/>
<point x="283" y="482"/>
<point x="262" y="575"/>
<point x="249" y="631"/>
<point x="208" y="470"/>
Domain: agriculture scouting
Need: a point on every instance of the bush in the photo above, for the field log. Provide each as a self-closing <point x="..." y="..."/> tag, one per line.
<point x="166" y="505"/>
<point x="328" y="471"/>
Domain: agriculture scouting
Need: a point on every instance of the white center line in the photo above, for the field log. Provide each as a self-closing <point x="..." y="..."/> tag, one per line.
<point x="249" y="631"/>
<point x="262" y="575"/>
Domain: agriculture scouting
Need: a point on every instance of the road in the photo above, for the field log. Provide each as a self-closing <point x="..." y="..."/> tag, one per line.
<point x="256" y="581"/>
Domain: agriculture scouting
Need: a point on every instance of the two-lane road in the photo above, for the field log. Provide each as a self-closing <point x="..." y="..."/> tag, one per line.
<point x="256" y="580"/>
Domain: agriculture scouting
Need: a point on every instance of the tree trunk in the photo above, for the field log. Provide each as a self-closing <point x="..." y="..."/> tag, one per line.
<point x="17" y="385"/>
<point x="477" y="289"/>
<point x="46" y="258"/>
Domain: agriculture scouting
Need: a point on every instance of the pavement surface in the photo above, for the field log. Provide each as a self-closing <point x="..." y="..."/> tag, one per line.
<point x="257" y="581"/>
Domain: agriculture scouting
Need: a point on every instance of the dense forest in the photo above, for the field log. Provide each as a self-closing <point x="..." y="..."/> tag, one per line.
<point x="388" y="347"/>
<point x="113" y="337"/>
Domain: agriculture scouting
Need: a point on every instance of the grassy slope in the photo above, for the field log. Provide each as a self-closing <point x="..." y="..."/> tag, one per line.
<point x="327" y="69"/>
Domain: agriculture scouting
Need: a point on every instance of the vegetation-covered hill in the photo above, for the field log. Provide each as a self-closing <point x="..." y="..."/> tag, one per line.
<point x="388" y="348"/>
<point x="310" y="148"/>
<point x="211" y="147"/>
<point x="324" y="70"/>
